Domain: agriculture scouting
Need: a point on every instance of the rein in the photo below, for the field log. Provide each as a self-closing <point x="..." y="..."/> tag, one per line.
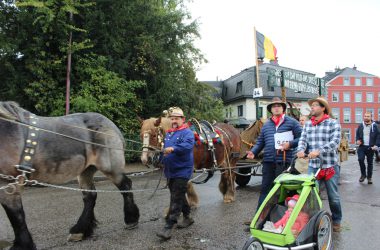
<point x="71" y="137"/>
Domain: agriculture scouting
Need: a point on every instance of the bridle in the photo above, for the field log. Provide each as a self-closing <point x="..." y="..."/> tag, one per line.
<point x="157" y="149"/>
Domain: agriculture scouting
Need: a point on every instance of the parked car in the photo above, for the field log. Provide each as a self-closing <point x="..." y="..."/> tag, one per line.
<point x="352" y="148"/>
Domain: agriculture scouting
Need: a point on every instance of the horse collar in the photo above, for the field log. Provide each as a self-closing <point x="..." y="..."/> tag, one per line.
<point x="30" y="145"/>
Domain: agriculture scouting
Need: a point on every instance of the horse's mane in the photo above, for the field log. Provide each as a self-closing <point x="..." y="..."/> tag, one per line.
<point x="10" y="110"/>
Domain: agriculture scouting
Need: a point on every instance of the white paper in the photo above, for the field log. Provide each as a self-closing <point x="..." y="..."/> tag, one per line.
<point x="281" y="138"/>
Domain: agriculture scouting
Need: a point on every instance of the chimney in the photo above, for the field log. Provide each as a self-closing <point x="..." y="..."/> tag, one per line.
<point x="354" y="68"/>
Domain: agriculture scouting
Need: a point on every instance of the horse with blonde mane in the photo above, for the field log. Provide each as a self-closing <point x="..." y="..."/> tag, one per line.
<point x="226" y="153"/>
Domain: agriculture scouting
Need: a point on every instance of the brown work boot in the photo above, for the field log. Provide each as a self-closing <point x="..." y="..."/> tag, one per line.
<point x="370" y="181"/>
<point x="336" y="227"/>
<point x="186" y="222"/>
<point x="362" y="178"/>
<point x="165" y="234"/>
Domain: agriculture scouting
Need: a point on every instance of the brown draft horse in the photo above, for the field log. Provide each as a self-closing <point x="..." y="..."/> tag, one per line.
<point x="153" y="130"/>
<point x="58" y="159"/>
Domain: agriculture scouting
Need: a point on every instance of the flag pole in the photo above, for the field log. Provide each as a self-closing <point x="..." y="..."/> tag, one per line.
<point x="257" y="74"/>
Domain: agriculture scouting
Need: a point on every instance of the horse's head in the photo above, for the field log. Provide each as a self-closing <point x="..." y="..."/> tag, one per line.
<point x="9" y="110"/>
<point x="152" y="134"/>
<point x="248" y="136"/>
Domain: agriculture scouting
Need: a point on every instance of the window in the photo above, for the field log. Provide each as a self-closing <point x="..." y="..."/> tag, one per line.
<point x="358" y="97"/>
<point x="346" y="81"/>
<point x="225" y="91"/>
<point x="335" y="113"/>
<point x="358" y="115"/>
<point x="372" y="111"/>
<point x="358" y="81"/>
<point x="240" y="110"/>
<point x="239" y="87"/>
<point x="347" y="131"/>
<point x="335" y="97"/>
<point x="369" y="97"/>
<point x="369" y="81"/>
<point x="378" y="114"/>
<point x="227" y="113"/>
<point x="347" y="115"/>
<point x="346" y="97"/>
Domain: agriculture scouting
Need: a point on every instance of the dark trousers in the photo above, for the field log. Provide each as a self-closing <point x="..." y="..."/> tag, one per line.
<point x="178" y="201"/>
<point x="365" y="151"/>
<point x="270" y="171"/>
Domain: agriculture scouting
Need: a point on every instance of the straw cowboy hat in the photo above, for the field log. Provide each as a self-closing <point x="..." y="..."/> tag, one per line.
<point x="175" y="111"/>
<point x="323" y="102"/>
<point x="276" y="100"/>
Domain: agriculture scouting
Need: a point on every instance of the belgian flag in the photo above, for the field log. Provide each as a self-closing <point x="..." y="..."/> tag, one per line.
<point x="265" y="47"/>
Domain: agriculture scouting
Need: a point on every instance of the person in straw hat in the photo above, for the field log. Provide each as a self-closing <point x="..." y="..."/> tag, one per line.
<point x="321" y="135"/>
<point x="178" y="161"/>
<point x="279" y="152"/>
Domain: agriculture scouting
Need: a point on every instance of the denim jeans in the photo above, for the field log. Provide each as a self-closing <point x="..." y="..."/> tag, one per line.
<point x="365" y="151"/>
<point x="332" y="193"/>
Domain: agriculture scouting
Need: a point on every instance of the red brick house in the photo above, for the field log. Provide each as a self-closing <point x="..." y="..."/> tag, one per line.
<point x="351" y="93"/>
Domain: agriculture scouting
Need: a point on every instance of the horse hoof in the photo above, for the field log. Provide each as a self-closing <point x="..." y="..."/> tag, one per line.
<point x="131" y="226"/>
<point x="75" y="237"/>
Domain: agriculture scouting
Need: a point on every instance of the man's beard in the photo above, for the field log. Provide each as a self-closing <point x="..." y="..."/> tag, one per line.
<point x="175" y="125"/>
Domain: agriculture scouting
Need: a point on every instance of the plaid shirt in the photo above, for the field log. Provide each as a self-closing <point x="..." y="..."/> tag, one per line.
<point x="324" y="137"/>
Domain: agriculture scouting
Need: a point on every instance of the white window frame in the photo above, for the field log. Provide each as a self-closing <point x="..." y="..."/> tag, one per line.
<point x="240" y="107"/>
<point x="369" y="81"/>
<point x="358" y="81"/>
<point x="336" y="113"/>
<point x="336" y="95"/>
<point x="346" y="114"/>
<point x="358" y="115"/>
<point x="348" y="133"/>
<point x="346" y="94"/>
<point x="367" y="95"/>
<point x="346" y="81"/>
<point x="372" y="111"/>
<point x="361" y="96"/>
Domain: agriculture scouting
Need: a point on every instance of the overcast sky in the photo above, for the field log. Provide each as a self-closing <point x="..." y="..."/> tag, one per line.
<point x="310" y="35"/>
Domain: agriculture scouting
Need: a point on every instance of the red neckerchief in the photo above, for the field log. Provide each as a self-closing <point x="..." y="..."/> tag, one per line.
<point x="277" y="120"/>
<point x="184" y="126"/>
<point x="314" y="122"/>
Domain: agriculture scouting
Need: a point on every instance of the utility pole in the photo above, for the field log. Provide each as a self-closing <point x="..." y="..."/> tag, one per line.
<point x="68" y="70"/>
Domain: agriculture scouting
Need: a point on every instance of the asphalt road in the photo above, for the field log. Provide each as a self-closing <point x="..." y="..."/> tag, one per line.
<point x="51" y="212"/>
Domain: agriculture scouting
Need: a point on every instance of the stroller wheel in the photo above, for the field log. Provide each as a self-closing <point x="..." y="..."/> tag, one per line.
<point x="323" y="231"/>
<point x="253" y="244"/>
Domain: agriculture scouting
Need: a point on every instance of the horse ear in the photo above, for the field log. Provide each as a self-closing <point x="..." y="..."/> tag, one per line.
<point x="157" y="122"/>
<point x="141" y="120"/>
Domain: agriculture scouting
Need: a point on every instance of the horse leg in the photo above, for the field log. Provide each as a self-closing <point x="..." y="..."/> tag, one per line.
<point x="131" y="211"/>
<point x="227" y="186"/>
<point x="12" y="205"/>
<point x="86" y="222"/>
<point x="192" y="196"/>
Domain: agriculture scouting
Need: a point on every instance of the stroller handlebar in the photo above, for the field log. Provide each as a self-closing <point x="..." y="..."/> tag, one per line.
<point x="292" y="168"/>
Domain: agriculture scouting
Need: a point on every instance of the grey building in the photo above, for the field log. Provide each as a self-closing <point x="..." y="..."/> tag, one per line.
<point x="237" y="91"/>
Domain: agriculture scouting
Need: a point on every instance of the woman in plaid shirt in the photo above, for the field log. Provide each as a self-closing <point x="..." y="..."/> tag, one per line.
<point x="321" y="136"/>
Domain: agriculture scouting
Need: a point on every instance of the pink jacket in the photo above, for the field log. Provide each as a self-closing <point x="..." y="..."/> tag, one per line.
<point x="299" y="224"/>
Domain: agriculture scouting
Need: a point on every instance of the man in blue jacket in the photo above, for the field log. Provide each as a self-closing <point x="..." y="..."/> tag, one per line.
<point x="278" y="152"/>
<point x="366" y="136"/>
<point x="178" y="161"/>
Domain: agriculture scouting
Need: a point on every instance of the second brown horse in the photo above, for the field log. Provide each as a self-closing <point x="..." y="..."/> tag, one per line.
<point x="226" y="152"/>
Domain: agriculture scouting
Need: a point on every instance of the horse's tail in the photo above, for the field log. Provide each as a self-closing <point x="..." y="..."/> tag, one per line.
<point x="192" y="196"/>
